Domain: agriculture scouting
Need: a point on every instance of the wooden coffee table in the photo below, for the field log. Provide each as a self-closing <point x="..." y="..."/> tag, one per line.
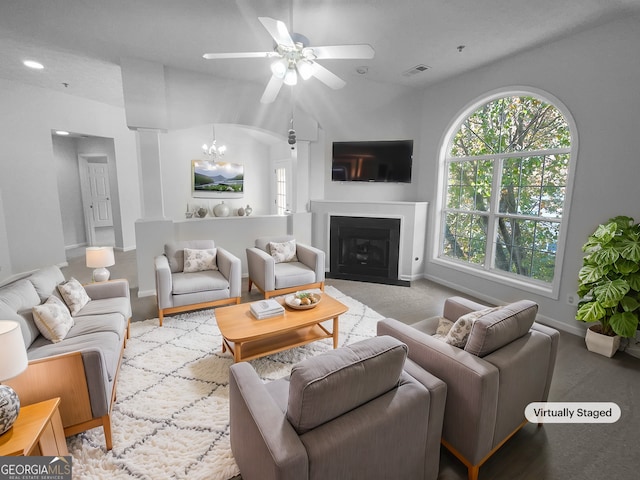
<point x="247" y="337"/>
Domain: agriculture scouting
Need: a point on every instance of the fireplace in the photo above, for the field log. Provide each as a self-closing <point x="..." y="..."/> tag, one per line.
<point x="365" y="249"/>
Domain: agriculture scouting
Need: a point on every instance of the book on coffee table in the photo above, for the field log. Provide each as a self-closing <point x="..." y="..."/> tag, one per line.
<point x="266" y="309"/>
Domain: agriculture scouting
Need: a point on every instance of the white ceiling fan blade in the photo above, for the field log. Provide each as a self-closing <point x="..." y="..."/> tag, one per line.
<point x="344" y="51"/>
<point x="278" y="30"/>
<point x="222" y="56"/>
<point x="272" y="90"/>
<point x="327" y="77"/>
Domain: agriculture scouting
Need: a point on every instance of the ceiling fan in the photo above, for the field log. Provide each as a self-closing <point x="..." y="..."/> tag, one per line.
<point x="294" y="57"/>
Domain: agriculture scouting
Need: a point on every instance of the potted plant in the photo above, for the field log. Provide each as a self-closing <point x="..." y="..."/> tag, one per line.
<point x="609" y="283"/>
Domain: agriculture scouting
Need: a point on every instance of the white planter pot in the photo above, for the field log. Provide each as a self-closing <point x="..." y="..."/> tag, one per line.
<point x="599" y="343"/>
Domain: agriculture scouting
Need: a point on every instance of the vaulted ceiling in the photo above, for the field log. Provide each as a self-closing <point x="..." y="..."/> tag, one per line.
<point x="81" y="42"/>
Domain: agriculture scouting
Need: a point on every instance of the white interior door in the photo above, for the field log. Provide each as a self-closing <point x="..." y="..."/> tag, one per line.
<point x="100" y="196"/>
<point x="96" y="194"/>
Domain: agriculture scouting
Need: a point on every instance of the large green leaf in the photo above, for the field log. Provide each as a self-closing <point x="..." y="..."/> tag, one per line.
<point x="622" y="222"/>
<point x="630" y="247"/>
<point x="591" y="312"/>
<point x="610" y="293"/>
<point x="591" y="273"/>
<point x="629" y="304"/>
<point x="624" y="324"/>
<point x="625" y="267"/>
<point x="634" y="281"/>
<point x="605" y="256"/>
<point x="584" y="290"/>
<point x="603" y="234"/>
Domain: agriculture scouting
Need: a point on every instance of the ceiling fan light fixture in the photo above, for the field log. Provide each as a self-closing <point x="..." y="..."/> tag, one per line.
<point x="293" y="56"/>
<point x="279" y="68"/>
<point x="308" y="53"/>
<point x="305" y="69"/>
<point x="291" y="77"/>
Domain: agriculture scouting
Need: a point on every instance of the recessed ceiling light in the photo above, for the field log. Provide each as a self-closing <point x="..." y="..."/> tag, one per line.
<point x="62" y="132"/>
<point x="33" y="64"/>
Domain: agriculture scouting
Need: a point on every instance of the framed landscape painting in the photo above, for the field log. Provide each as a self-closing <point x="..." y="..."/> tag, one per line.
<point x="216" y="179"/>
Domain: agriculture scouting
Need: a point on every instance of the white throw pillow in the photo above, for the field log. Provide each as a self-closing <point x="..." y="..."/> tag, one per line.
<point x="459" y="332"/>
<point x="74" y="295"/>
<point x="444" y="326"/>
<point x="283" y="252"/>
<point x="53" y="319"/>
<point x="200" y="260"/>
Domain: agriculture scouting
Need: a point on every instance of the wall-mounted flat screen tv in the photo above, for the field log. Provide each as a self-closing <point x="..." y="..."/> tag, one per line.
<point x="372" y="161"/>
<point x="216" y="179"/>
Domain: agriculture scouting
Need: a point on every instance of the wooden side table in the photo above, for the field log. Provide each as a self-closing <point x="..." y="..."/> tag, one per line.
<point x="37" y="431"/>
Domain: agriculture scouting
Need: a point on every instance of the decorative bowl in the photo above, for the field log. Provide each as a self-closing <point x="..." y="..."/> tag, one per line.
<point x="201" y="212"/>
<point x="291" y="302"/>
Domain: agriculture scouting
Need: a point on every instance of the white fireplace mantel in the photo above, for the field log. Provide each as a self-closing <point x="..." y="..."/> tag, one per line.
<point x="413" y="228"/>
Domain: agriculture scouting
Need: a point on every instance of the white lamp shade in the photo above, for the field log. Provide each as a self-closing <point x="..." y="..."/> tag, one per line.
<point x="100" y="257"/>
<point x="279" y="68"/>
<point x="291" y="77"/>
<point x="13" y="354"/>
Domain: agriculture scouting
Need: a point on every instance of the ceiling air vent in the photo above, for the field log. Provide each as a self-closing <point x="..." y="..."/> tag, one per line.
<point x="417" y="69"/>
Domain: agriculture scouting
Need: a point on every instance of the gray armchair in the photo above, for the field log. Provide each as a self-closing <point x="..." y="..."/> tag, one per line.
<point x="275" y="276"/>
<point x="508" y="362"/>
<point x="353" y="412"/>
<point x="180" y="291"/>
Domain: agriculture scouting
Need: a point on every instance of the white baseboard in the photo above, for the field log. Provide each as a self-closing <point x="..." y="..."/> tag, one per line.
<point x="146" y="293"/>
<point x="633" y="346"/>
<point x="77" y="245"/>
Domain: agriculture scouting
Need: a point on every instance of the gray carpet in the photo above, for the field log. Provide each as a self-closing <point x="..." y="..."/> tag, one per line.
<point x="555" y="451"/>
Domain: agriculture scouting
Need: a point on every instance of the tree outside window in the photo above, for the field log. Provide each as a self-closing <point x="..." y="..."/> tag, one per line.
<point x="506" y="173"/>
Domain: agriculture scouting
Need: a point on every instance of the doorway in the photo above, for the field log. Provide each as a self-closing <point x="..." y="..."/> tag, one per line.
<point x="73" y="155"/>
<point x="96" y="199"/>
<point x="282" y="187"/>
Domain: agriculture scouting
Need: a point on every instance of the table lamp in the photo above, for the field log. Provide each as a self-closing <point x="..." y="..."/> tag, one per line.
<point x="13" y="361"/>
<point x="99" y="258"/>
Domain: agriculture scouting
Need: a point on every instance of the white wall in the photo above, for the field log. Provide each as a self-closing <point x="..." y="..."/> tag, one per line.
<point x="66" y="159"/>
<point x="5" y="259"/>
<point x="362" y="110"/>
<point x="28" y="178"/>
<point x="595" y="74"/>
<point x="179" y="147"/>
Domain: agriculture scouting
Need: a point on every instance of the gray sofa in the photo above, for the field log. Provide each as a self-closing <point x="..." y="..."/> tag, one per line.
<point x="356" y="412"/>
<point x="82" y="368"/>
<point x="506" y="363"/>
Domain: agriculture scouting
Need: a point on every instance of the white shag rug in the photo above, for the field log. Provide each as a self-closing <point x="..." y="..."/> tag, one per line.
<point x="171" y="417"/>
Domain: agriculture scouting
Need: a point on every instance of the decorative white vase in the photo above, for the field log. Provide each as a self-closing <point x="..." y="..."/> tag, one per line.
<point x="248" y="210"/>
<point x="221" y="210"/>
<point x="599" y="343"/>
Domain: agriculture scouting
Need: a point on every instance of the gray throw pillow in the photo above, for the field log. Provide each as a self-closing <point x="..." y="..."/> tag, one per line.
<point x="501" y="327"/>
<point x="326" y="386"/>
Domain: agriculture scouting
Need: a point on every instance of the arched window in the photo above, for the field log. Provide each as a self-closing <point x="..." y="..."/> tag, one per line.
<point x="505" y="190"/>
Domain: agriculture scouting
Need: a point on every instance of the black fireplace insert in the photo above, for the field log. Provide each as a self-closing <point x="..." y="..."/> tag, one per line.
<point x="365" y="249"/>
